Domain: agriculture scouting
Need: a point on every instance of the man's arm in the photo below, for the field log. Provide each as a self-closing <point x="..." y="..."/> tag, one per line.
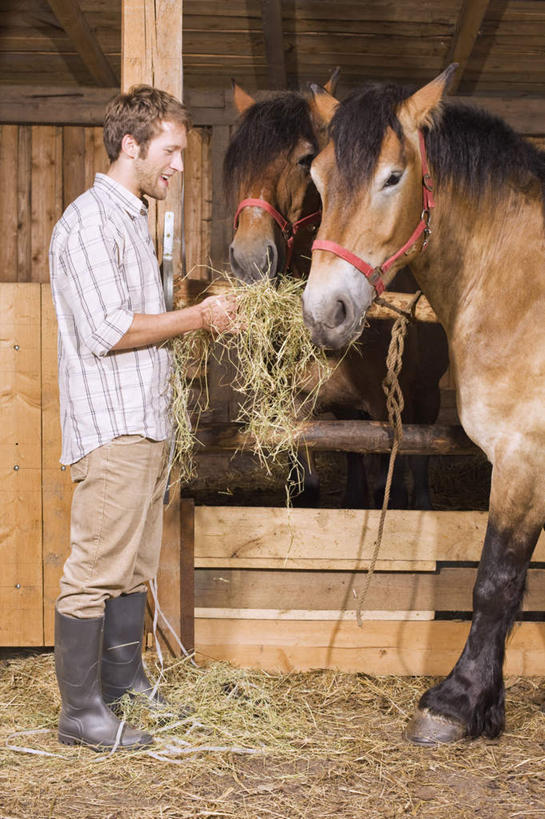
<point x="214" y="313"/>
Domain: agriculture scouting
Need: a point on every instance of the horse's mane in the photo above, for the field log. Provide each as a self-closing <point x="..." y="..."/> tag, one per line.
<point x="465" y="145"/>
<point x="266" y="129"/>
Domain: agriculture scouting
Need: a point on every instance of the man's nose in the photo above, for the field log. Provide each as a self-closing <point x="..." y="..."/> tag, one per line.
<point x="177" y="163"/>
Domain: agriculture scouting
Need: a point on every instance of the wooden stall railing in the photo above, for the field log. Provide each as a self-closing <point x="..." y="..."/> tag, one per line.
<point x="277" y="589"/>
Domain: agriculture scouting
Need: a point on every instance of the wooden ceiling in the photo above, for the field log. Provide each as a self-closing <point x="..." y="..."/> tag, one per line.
<point x="500" y="44"/>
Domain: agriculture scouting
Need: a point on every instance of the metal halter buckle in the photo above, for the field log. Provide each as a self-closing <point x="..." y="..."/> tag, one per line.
<point x="427" y="181"/>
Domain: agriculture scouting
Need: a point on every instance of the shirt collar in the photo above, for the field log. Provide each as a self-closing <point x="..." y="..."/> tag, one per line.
<point x="128" y="201"/>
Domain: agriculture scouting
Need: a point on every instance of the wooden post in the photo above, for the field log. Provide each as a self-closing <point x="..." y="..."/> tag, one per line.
<point x="151" y="52"/>
<point x="187" y="574"/>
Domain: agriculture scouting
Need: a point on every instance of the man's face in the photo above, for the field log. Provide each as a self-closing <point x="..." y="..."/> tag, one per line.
<point x="163" y="159"/>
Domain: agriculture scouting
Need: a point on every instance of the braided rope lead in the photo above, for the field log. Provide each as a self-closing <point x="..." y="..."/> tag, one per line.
<point x="394" y="405"/>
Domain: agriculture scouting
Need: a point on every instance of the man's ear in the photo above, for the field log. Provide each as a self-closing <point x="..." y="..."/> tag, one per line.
<point x="242" y="100"/>
<point x="130" y="146"/>
<point x="416" y="111"/>
<point x="322" y="104"/>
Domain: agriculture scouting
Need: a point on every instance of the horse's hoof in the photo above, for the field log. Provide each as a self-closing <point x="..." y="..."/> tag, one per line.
<point x="430" y="729"/>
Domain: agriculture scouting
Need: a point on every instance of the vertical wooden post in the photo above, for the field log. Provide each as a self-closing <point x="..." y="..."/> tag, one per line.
<point x="151" y="52"/>
<point x="187" y="574"/>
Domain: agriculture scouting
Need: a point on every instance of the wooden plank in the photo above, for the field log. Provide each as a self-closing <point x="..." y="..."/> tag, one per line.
<point x="78" y="105"/>
<point x="343" y="539"/>
<point x="20" y="466"/>
<point x="448" y="589"/>
<point x="8" y="182"/>
<point x="46" y="204"/>
<point x="271" y="16"/>
<point x="330" y="615"/>
<point x="193" y="200"/>
<point x="73" y="163"/>
<point x="385" y="647"/>
<point x="57" y="485"/>
<point x="346" y="11"/>
<point x="169" y="578"/>
<point x="24" y="190"/>
<point x="102" y="163"/>
<point x="221" y="218"/>
<point x="74" y="22"/>
<point x="187" y="573"/>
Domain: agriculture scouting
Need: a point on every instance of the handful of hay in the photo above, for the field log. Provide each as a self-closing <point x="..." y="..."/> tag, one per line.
<point x="278" y="372"/>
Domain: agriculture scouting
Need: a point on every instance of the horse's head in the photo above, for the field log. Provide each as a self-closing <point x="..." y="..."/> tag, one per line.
<point x="370" y="178"/>
<point x="268" y="162"/>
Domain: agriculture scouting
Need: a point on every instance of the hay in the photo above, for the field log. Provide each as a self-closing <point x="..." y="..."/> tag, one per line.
<point x="320" y="744"/>
<point x="277" y="371"/>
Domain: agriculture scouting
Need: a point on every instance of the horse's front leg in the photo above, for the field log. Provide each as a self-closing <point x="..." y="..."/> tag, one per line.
<point x="470" y="701"/>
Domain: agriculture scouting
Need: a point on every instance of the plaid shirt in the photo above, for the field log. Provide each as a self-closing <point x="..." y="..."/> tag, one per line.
<point x="103" y="271"/>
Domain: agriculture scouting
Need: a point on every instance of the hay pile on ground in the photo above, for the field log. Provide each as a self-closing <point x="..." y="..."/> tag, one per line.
<point x="316" y="745"/>
<point x="277" y="371"/>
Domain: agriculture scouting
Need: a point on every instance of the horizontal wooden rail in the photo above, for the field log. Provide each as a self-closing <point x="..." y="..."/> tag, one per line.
<point x="192" y="289"/>
<point x="351" y="436"/>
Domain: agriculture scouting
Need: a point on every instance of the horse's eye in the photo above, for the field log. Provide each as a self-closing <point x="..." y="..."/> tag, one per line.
<point x="392" y="180"/>
<point x="306" y="161"/>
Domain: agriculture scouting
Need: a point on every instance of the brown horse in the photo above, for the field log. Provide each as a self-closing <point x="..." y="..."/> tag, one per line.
<point x="479" y="208"/>
<point x="266" y="172"/>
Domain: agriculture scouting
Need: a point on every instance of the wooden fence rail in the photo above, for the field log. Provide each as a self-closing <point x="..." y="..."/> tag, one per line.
<point x="350" y="436"/>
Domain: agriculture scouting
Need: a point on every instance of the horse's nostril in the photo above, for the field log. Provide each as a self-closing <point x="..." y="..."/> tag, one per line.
<point x="271" y="260"/>
<point x="339" y="313"/>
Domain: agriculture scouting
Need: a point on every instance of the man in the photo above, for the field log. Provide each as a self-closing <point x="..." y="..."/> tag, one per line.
<point x="114" y="400"/>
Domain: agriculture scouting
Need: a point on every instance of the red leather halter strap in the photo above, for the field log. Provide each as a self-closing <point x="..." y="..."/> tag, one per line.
<point x="287" y="228"/>
<point x="374" y="274"/>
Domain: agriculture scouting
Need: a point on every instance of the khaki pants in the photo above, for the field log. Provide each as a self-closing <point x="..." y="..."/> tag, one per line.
<point x="116" y="523"/>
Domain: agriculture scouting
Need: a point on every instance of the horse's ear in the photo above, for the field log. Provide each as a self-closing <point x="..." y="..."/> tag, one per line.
<point x="242" y="100"/>
<point x="322" y="104"/>
<point x="416" y="110"/>
<point x="331" y="84"/>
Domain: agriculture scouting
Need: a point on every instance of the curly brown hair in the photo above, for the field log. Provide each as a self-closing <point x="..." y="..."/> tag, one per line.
<point x="140" y="112"/>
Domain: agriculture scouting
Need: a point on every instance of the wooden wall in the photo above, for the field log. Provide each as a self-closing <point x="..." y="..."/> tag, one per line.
<point x="42" y="169"/>
<point x="375" y="39"/>
<point x="45" y="167"/>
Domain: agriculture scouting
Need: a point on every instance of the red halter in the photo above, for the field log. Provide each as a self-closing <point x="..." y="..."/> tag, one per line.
<point x="287" y="228"/>
<point x="375" y="274"/>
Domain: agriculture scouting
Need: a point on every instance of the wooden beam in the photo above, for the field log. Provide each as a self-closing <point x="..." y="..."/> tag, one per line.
<point x="73" y="21"/>
<point x="351" y="436"/>
<point x="85" y="105"/>
<point x="271" y="15"/>
<point x="76" y="105"/>
<point x="467" y="30"/>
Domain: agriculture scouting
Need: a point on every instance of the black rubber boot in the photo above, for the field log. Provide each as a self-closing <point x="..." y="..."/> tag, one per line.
<point x="122" y="668"/>
<point x="85" y="719"/>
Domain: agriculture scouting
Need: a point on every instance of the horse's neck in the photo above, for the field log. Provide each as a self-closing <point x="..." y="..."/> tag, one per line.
<point x="480" y="255"/>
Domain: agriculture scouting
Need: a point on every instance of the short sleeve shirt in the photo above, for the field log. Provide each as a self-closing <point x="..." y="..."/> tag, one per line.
<point x="103" y="271"/>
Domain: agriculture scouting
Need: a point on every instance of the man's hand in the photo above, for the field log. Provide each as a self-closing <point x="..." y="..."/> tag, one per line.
<point x="219" y="313"/>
